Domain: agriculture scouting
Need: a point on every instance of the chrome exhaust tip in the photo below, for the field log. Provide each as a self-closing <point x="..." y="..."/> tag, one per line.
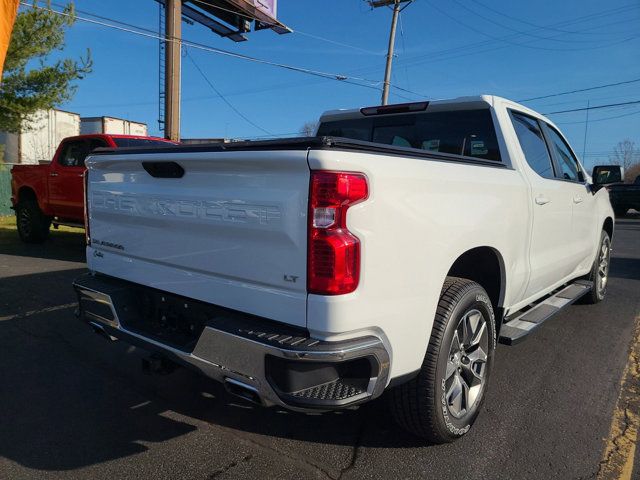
<point x="99" y="329"/>
<point x="242" y="390"/>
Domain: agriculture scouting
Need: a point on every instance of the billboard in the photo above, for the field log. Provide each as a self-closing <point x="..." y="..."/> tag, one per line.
<point x="237" y="13"/>
<point x="269" y="7"/>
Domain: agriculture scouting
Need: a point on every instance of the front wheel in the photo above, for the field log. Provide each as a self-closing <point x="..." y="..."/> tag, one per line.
<point x="599" y="274"/>
<point x="441" y="403"/>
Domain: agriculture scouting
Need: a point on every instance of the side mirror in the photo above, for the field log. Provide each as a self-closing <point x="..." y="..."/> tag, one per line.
<point x="607" y="174"/>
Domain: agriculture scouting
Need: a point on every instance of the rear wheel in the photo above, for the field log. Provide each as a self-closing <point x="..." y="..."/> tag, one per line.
<point x="441" y="403"/>
<point x="600" y="271"/>
<point x="33" y="225"/>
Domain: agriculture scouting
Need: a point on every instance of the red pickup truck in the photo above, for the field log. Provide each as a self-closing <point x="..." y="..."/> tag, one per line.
<point x="54" y="192"/>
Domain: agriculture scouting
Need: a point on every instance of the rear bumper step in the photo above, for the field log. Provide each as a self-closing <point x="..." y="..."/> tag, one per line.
<point x="518" y="326"/>
<point x="260" y="360"/>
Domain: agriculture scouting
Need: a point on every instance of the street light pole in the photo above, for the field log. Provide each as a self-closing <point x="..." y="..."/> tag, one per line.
<point x="392" y="42"/>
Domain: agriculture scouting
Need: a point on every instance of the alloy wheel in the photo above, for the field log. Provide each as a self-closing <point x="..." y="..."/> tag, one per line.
<point x="467" y="364"/>
<point x="604" y="257"/>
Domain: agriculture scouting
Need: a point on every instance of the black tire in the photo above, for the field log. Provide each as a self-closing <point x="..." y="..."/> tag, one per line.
<point x="620" y="212"/>
<point x="599" y="289"/>
<point x="421" y="406"/>
<point x="33" y="225"/>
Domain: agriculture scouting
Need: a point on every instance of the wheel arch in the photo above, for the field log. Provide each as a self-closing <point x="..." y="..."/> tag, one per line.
<point x="485" y="266"/>
<point x="26" y="193"/>
<point x="607" y="226"/>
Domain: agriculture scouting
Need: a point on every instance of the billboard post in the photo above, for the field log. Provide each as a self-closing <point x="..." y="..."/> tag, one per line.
<point x="173" y="37"/>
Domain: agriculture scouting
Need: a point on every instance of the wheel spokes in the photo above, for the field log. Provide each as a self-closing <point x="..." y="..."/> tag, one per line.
<point x="457" y="396"/>
<point x="466" y="364"/>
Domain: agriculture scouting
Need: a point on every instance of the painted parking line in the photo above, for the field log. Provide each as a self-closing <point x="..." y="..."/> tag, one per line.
<point x="37" y="312"/>
<point x="619" y="455"/>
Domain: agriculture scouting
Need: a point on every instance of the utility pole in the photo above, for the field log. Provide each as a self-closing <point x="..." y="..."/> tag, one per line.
<point x="173" y="42"/>
<point x="586" y="129"/>
<point x="392" y="41"/>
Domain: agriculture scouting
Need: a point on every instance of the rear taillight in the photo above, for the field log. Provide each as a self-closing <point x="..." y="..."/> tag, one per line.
<point x="87" y="233"/>
<point x="333" y="251"/>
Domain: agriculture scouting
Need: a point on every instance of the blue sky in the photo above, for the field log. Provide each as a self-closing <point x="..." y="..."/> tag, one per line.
<point x="444" y="49"/>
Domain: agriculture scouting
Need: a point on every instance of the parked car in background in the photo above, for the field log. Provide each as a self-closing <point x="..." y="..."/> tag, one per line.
<point x="392" y="251"/>
<point x="624" y="196"/>
<point x="53" y="193"/>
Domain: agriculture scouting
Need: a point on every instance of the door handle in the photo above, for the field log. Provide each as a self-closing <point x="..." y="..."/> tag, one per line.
<point x="542" y="200"/>
<point x="577" y="199"/>
<point x="53" y="174"/>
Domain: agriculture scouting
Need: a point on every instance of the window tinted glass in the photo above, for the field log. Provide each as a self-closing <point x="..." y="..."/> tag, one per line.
<point x="463" y="132"/>
<point x="140" y="142"/>
<point x="96" y="143"/>
<point x="533" y="144"/>
<point x="568" y="164"/>
<point x="74" y="153"/>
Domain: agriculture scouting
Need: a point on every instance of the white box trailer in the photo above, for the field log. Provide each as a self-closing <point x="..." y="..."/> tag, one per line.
<point x="112" y="125"/>
<point x="41" y="136"/>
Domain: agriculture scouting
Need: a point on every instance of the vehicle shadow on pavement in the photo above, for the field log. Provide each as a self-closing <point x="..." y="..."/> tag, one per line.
<point x="70" y="398"/>
<point x="64" y="245"/>
<point x="622" y="267"/>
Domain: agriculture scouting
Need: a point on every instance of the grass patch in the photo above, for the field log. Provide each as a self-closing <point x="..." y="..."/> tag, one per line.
<point x="8" y="221"/>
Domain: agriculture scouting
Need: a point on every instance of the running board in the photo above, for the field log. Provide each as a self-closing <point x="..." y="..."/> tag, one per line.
<point x="516" y="327"/>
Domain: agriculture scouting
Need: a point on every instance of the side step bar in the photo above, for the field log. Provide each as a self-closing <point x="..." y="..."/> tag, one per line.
<point x="517" y="326"/>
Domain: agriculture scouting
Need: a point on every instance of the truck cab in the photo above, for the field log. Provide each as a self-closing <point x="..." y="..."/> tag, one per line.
<point x="54" y="192"/>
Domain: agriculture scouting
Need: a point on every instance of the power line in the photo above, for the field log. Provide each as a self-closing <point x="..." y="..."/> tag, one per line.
<point x="520" y="32"/>
<point x="299" y="32"/>
<point x="601" y="119"/>
<point x="445" y="54"/>
<point x="504" y="39"/>
<point x="229" y="104"/>
<point x="141" y="31"/>
<point x="610" y="105"/>
<point x="626" y="82"/>
<point x="136" y="30"/>
<point x="525" y="22"/>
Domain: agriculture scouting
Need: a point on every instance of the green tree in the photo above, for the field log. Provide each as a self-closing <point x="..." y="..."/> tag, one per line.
<point x="29" y="82"/>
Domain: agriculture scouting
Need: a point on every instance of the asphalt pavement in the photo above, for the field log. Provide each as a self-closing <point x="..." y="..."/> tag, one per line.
<point x="73" y="405"/>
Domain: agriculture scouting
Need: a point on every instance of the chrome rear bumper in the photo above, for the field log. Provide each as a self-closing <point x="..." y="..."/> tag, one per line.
<point x="256" y="358"/>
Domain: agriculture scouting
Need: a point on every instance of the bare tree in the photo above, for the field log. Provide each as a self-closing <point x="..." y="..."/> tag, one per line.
<point x="625" y="154"/>
<point x="308" y="129"/>
<point x="633" y="174"/>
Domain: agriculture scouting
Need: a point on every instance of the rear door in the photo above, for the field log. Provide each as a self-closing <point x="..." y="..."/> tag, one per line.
<point x="550" y="256"/>
<point x="65" y="180"/>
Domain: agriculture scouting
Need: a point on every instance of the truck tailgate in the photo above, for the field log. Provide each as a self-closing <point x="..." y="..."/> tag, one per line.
<point x="232" y="231"/>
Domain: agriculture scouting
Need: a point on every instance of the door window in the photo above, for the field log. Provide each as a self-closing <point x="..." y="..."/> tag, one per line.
<point x="73" y="154"/>
<point x="569" y="168"/>
<point x="533" y="145"/>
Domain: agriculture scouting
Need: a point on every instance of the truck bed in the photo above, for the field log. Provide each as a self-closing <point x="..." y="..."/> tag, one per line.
<point x="303" y="143"/>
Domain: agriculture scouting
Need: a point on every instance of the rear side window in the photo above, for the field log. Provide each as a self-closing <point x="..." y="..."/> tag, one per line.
<point x="533" y="144"/>
<point x="74" y="153"/>
<point x="96" y="143"/>
<point x="567" y="163"/>
<point x="463" y="132"/>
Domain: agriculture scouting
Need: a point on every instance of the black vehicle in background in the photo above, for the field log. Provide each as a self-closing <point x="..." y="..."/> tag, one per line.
<point x="623" y="196"/>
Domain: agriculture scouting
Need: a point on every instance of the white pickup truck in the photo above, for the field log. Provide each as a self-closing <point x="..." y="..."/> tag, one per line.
<point x="390" y="252"/>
